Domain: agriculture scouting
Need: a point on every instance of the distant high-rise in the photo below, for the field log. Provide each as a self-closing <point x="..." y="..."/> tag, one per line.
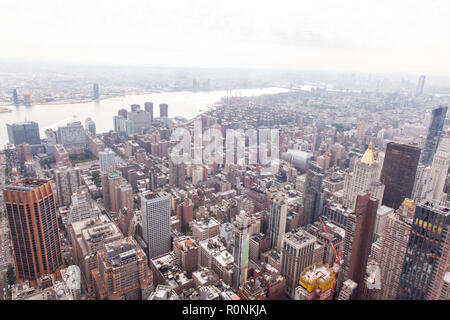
<point x="123" y="125"/>
<point x="15" y="97"/>
<point x="31" y="210"/>
<point x="141" y="120"/>
<point x="241" y="248"/>
<point x="21" y="132"/>
<point x="427" y="254"/>
<point x="135" y="107"/>
<point x="96" y="92"/>
<point x="277" y="220"/>
<point x="312" y="195"/>
<point x="89" y="125"/>
<point x="364" y="178"/>
<point x="163" y="110"/>
<point x="440" y="166"/>
<point x="72" y="136"/>
<point x="358" y="240"/>
<point x="27" y="99"/>
<point x="107" y="160"/>
<point x="434" y="134"/>
<point x="155" y="207"/>
<point x="399" y="173"/>
<point x="420" y="85"/>
<point x="149" y="108"/>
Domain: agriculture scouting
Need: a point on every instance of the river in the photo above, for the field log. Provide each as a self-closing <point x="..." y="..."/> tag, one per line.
<point x="186" y="104"/>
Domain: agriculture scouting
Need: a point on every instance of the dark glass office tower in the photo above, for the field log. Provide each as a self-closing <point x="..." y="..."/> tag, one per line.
<point x="434" y="134"/>
<point x="427" y="254"/>
<point x="19" y="133"/>
<point x="399" y="173"/>
<point x="31" y="210"/>
<point x="312" y="194"/>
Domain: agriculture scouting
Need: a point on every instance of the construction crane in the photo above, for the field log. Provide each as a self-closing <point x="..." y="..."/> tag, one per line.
<point x="338" y="256"/>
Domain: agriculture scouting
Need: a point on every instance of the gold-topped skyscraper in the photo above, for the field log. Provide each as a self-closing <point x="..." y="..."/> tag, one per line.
<point x="364" y="178"/>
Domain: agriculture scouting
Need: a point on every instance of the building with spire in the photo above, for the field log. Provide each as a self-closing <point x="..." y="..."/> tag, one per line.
<point x="364" y="178"/>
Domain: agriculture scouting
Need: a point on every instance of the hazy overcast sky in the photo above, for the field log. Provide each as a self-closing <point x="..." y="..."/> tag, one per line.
<point x="395" y="36"/>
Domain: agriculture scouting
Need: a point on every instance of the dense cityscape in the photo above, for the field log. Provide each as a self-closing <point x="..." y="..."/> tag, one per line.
<point x="355" y="208"/>
<point x="224" y="159"/>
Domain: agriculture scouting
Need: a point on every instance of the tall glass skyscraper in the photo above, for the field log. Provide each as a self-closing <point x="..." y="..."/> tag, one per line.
<point x="434" y="134"/>
<point x="427" y="254"/>
<point x="312" y="194"/>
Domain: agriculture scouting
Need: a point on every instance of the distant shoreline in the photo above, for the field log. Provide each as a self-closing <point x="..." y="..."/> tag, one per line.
<point x="69" y="101"/>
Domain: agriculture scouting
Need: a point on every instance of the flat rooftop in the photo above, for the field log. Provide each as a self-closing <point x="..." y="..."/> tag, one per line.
<point x="26" y="185"/>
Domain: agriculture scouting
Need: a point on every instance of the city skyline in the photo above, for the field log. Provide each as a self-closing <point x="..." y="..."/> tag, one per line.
<point x="213" y="167"/>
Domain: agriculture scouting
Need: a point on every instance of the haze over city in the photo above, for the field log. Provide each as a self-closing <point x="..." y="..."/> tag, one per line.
<point x="407" y="37"/>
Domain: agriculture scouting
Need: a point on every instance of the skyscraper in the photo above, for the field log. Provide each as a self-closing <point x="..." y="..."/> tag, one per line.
<point x="163" y="110"/>
<point x="277" y="220"/>
<point x="312" y="195"/>
<point x="427" y="254"/>
<point x="155" y="207"/>
<point x="89" y="125"/>
<point x="440" y="166"/>
<point x="117" y="193"/>
<point x="15" y="97"/>
<point x="96" y="92"/>
<point x="434" y="134"/>
<point x="141" y="120"/>
<point x="149" y="108"/>
<point x="296" y="254"/>
<point x="123" y="125"/>
<point x="177" y="174"/>
<point x="67" y="180"/>
<point x="399" y="173"/>
<point x="72" y="136"/>
<point x="31" y="210"/>
<point x="364" y="178"/>
<point x="393" y="246"/>
<point x="358" y="240"/>
<point x="420" y="85"/>
<point x="19" y="133"/>
<point x="241" y="249"/>
<point x="107" y="160"/>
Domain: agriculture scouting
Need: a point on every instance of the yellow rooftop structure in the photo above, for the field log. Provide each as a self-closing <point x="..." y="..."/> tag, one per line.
<point x="368" y="155"/>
